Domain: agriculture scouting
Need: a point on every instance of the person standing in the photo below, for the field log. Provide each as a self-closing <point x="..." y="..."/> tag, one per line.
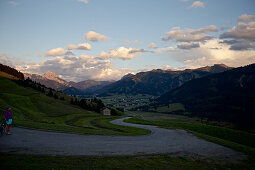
<point x="8" y="118"/>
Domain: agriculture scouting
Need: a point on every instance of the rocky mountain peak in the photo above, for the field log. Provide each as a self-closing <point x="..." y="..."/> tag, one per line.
<point x="50" y="75"/>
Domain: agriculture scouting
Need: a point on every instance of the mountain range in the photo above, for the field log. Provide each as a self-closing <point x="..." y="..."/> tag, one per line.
<point x="227" y="96"/>
<point x="52" y="80"/>
<point x="157" y="81"/>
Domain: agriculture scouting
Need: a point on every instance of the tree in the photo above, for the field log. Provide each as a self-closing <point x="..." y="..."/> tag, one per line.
<point x="50" y="93"/>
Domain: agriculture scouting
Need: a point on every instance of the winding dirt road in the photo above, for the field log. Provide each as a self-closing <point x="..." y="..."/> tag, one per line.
<point x="159" y="141"/>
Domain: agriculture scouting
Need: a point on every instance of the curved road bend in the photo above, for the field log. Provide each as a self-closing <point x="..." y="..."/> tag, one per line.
<point x="159" y="141"/>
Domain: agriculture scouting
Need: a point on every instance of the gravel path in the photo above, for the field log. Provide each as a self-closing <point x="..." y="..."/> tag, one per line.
<point x="159" y="141"/>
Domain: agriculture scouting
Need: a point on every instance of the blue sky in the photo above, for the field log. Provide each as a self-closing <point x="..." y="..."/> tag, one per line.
<point x="31" y="28"/>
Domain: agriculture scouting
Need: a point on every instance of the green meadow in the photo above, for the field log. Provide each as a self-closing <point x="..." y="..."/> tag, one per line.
<point x="36" y="110"/>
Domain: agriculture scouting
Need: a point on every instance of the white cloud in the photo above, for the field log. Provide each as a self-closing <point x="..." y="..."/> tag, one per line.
<point x="167" y="67"/>
<point x="206" y="55"/>
<point x="83" y="1"/>
<point x="197" y="4"/>
<point x="13" y="3"/>
<point x="122" y="53"/>
<point x="111" y="74"/>
<point x="93" y="36"/>
<point x="164" y="50"/>
<point x="189" y="35"/>
<point x="57" y="52"/>
<point x="241" y="31"/>
<point x="77" y="68"/>
<point x="131" y="42"/>
<point x="152" y="45"/>
<point x="240" y="37"/>
<point x="6" y="60"/>
<point x="84" y="46"/>
<point x="246" y="17"/>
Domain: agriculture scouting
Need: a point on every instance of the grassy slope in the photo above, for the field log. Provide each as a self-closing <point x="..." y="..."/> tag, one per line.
<point x="36" y="110"/>
<point x="6" y="75"/>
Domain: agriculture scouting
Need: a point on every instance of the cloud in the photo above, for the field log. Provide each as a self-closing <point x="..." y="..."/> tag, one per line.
<point x="93" y="36"/>
<point x="246" y="17"/>
<point x="239" y="44"/>
<point x="83" y="1"/>
<point x="152" y="45"/>
<point x="197" y="4"/>
<point x="241" y="31"/>
<point x="240" y="37"/>
<point x="13" y="3"/>
<point x="206" y="55"/>
<point x="167" y="67"/>
<point x="187" y="45"/>
<point x="6" y="60"/>
<point x="164" y="50"/>
<point x="9" y="60"/>
<point x="77" y="68"/>
<point x="184" y="0"/>
<point x="189" y="35"/>
<point x="111" y="74"/>
<point x="122" y="53"/>
<point x="57" y="52"/>
<point x="131" y="42"/>
<point x="84" y="46"/>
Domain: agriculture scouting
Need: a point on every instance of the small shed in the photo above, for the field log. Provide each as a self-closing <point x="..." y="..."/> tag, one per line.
<point x="105" y="111"/>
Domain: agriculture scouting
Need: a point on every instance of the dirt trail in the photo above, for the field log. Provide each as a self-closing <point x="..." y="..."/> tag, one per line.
<point x="159" y="141"/>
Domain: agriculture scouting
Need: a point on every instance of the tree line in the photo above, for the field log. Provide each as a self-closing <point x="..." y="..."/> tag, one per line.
<point x="94" y="104"/>
<point x="11" y="71"/>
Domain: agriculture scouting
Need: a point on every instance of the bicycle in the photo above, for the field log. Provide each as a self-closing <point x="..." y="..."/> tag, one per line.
<point x="3" y="128"/>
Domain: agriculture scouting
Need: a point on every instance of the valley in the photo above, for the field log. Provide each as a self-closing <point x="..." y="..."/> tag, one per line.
<point x="34" y="107"/>
<point x="132" y="85"/>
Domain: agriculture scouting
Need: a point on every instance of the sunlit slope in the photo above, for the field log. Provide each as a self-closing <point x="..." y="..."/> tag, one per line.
<point x="36" y="110"/>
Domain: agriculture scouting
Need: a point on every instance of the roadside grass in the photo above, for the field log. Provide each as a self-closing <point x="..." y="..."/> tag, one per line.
<point x="236" y="136"/>
<point x="33" y="109"/>
<point x="11" y="161"/>
<point x="238" y="140"/>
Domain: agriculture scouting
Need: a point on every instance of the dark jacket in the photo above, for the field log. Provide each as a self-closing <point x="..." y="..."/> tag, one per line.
<point x="8" y="115"/>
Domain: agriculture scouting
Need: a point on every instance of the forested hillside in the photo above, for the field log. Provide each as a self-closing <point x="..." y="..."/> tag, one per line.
<point x="226" y="96"/>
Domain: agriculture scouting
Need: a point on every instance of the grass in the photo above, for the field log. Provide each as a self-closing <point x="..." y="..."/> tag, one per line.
<point x="171" y="108"/>
<point x="27" y="162"/>
<point x="236" y="136"/>
<point x="6" y="75"/>
<point x="238" y="140"/>
<point x="36" y="110"/>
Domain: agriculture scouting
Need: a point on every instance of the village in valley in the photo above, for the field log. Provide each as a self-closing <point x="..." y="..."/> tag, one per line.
<point x="127" y="102"/>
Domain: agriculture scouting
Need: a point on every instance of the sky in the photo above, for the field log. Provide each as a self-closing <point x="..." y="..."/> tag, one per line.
<point x="106" y="39"/>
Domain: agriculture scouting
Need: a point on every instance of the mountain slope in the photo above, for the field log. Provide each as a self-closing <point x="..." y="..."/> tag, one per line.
<point x="6" y="71"/>
<point x="228" y="96"/>
<point x="52" y="80"/>
<point x="49" y="79"/>
<point x="157" y="82"/>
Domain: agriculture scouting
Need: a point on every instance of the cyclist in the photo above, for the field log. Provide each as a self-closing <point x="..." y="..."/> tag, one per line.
<point x="8" y="118"/>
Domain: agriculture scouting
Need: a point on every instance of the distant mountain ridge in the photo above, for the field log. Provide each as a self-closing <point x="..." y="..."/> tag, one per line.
<point x="52" y="80"/>
<point x="86" y="87"/>
<point x="49" y="79"/>
<point x="227" y="96"/>
<point x="157" y="81"/>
